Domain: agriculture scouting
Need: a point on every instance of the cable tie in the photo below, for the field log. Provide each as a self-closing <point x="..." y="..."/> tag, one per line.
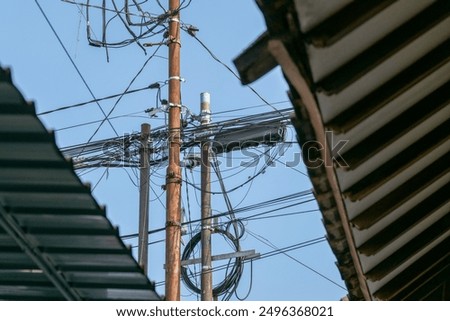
<point x="177" y="78"/>
<point x="173" y="223"/>
<point x="173" y="180"/>
<point x="173" y="40"/>
<point x="174" y="20"/>
<point x="206" y="267"/>
<point x="175" y="105"/>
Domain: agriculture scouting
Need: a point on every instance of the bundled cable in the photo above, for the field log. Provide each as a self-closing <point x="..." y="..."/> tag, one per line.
<point x="233" y="272"/>
<point x="123" y="150"/>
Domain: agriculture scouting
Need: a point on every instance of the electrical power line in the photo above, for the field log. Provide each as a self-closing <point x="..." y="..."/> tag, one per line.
<point x="188" y="29"/>
<point x="247" y="108"/>
<point x="73" y="62"/>
<point x="120" y="97"/>
<point x="118" y="12"/>
<point x="99" y="121"/>
<point x="152" y="86"/>
<point x="93" y="6"/>
<point x="280" y="251"/>
<point x="261" y="171"/>
<point x="291" y="167"/>
<point x="265" y="204"/>
<point x="122" y="151"/>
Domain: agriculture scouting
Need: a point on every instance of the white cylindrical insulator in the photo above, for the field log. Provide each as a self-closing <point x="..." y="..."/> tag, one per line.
<point x="205" y="100"/>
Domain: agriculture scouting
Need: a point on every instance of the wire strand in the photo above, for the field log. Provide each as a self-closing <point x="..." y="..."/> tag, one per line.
<point x="120" y="97"/>
<point x="73" y="62"/>
<point x="280" y="251"/>
<point x="228" y="68"/>
<point x="92" y="101"/>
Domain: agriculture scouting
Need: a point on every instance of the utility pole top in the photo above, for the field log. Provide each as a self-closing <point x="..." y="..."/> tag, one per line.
<point x="205" y="98"/>
<point x="206" y="274"/>
<point x="205" y="112"/>
<point x="144" y="181"/>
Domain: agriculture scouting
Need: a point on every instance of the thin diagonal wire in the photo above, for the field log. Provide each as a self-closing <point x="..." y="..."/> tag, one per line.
<point x="270" y="244"/>
<point x="231" y="70"/>
<point x="120" y="98"/>
<point x="73" y="63"/>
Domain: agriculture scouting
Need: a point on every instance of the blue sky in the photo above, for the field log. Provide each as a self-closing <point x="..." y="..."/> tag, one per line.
<point x="45" y="75"/>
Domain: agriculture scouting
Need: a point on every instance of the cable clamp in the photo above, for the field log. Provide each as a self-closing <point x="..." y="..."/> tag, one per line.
<point x="175" y="105"/>
<point x="206" y="267"/>
<point x="176" y="143"/>
<point x="172" y="40"/>
<point x="174" y="20"/>
<point x="173" y="178"/>
<point x="173" y="223"/>
<point x="177" y="78"/>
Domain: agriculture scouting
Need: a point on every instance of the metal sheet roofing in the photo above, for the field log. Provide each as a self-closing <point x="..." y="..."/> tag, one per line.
<point x="370" y="82"/>
<point x="55" y="240"/>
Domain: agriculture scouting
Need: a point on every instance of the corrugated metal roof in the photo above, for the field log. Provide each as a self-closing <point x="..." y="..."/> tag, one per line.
<point x="370" y="81"/>
<point x="55" y="240"/>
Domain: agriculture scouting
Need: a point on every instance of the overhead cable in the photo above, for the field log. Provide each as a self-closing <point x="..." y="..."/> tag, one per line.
<point x="73" y="63"/>
<point x="187" y="29"/>
<point x="95" y="100"/>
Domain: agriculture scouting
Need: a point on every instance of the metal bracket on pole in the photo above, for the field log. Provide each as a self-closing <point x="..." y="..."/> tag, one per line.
<point x="246" y="255"/>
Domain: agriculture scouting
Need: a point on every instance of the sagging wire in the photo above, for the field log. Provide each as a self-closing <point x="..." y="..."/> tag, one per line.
<point x="291" y="167"/>
<point x="73" y="62"/>
<point x="144" y="14"/>
<point x="120" y="98"/>
<point x="105" y="172"/>
<point x="149" y="24"/>
<point x="250" y="287"/>
<point x="192" y="31"/>
<point x="99" y="121"/>
<point x="270" y="203"/>
<point x="261" y="171"/>
<point x="131" y="178"/>
<point x="135" y="38"/>
<point x="233" y="222"/>
<point x="93" y="6"/>
<point x="233" y="271"/>
<point x="277" y="251"/>
<point x="124" y="152"/>
<point x="151" y="86"/>
<point x="286" y="249"/>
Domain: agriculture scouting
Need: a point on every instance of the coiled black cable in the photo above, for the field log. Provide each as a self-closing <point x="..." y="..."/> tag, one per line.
<point x="233" y="272"/>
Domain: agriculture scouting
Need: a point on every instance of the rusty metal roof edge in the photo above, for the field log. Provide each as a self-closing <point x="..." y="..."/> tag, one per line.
<point x="311" y="114"/>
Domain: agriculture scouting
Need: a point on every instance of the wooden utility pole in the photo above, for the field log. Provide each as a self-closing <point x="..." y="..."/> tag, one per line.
<point x="173" y="176"/>
<point x="144" y="179"/>
<point x="206" y="275"/>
